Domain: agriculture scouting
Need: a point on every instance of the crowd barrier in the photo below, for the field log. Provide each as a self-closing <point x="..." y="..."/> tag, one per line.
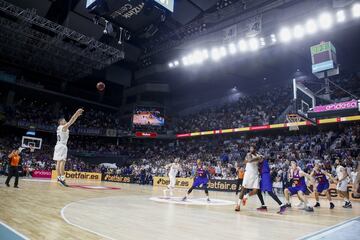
<point x="41" y="174"/>
<point x="230" y="186"/>
<point x="79" y="175"/>
<point x="180" y="182"/>
<point x="117" y="178"/>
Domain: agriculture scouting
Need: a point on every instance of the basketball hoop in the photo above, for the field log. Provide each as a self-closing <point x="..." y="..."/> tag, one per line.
<point x="292" y="121"/>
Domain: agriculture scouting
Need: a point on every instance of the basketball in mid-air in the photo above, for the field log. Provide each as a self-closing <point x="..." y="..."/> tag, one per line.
<point x="100" y="86"/>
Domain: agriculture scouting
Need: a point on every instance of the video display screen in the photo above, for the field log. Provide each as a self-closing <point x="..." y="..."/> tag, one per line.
<point x="147" y="116"/>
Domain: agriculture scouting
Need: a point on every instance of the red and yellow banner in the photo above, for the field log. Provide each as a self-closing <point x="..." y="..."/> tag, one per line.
<point x="271" y="126"/>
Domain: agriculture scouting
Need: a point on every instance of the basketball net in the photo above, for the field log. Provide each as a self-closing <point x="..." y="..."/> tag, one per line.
<point x="292" y="121"/>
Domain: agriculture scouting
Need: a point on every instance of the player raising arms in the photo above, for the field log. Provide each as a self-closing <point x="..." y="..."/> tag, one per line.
<point x="266" y="186"/>
<point x="174" y="169"/>
<point x="343" y="180"/>
<point x="321" y="184"/>
<point x="299" y="186"/>
<point x="201" y="179"/>
<point x="251" y="176"/>
<point x="60" y="151"/>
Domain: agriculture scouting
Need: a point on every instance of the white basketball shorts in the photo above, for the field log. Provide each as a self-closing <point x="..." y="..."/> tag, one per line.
<point x="60" y="152"/>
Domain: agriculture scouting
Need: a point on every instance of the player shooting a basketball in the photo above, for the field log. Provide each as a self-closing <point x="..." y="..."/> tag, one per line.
<point x="60" y="151"/>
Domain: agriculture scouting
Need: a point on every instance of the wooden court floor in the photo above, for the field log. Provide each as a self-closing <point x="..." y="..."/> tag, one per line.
<point x="44" y="210"/>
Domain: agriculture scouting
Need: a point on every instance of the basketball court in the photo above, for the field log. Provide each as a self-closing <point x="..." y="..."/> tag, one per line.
<point x="89" y="210"/>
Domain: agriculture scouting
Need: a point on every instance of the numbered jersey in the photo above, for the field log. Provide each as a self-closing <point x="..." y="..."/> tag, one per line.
<point x="62" y="136"/>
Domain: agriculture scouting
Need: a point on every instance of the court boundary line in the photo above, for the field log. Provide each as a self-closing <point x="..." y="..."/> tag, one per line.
<point x="14" y="231"/>
<point x="328" y="228"/>
<point x="78" y="226"/>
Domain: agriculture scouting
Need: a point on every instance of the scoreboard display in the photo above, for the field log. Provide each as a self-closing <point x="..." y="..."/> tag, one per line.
<point x="168" y="4"/>
<point x="323" y="57"/>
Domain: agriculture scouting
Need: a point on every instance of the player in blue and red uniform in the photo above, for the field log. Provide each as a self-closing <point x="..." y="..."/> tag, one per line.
<point x="321" y="184"/>
<point x="201" y="179"/>
<point x="266" y="186"/>
<point x="299" y="186"/>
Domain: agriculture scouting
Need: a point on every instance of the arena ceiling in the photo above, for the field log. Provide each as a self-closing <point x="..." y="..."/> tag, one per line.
<point x="179" y="27"/>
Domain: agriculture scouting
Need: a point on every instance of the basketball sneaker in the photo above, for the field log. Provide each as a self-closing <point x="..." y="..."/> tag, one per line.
<point x="184" y="199"/>
<point x="300" y="205"/>
<point x="309" y="209"/>
<point x="63" y="183"/>
<point x="262" y="209"/>
<point x="288" y="205"/>
<point x="237" y="208"/>
<point x="347" y="205"/>
<point x="282" y="209"/>
<point x="332" y="205"/>
<point x="317" y="204"/>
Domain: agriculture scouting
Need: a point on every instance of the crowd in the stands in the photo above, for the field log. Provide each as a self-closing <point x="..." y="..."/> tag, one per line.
<point x="224" y="156"/>
<point x="259" y="109"/>
<point x="42" y="113"/>
<point x="39" y="159"/>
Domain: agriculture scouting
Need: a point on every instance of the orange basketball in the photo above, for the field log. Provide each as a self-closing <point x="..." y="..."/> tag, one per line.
<point x="100" y="86"/>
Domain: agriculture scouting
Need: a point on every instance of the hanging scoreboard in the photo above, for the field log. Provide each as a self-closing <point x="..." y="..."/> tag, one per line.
<point x="323" y="57"/>
<point x="168" y="4"/>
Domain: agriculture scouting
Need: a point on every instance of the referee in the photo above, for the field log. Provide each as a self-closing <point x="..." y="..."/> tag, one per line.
<point x="14" y="162"/>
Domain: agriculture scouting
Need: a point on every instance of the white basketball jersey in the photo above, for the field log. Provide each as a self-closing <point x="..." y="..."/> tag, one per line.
<point x="251" y="167"/>
<point x="62" y="137"/>
<point x="174" y="169"/>
<point x="339" y="174"/>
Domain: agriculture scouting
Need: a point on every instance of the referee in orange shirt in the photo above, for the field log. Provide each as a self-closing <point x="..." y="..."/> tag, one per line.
<point x="14" y="162"/>
<point x="239" y="181"/>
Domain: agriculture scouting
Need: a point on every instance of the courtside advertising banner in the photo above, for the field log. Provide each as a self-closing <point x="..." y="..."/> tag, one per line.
<point x="41" y="174"/>
<point x="335" y="195"/>
<point x="118" y="178"/>
<point x="230" y="186"/>
<point x="79" y="175"/>
<point x="180" y="182"/>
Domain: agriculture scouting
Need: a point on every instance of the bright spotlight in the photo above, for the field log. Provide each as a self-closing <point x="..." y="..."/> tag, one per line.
<point x="185" y="61"/>
<point x="254" y="44"/>
<point x="205" y="54"/>
<point x="273" y="38"/>
<point x="340" y="16"/>
<point x="190" y="59"/>
<point x="356" y="10"/>
<point x="262" y="42"/>
<point x="299" y="31"/>
<point x="243" y="45"/>
<point x="223" y="52"/>
<point x="232" y="48"/>
<point x="198" y="57"/>
<point x="285" y="34"/>
<point x="176" y="63"/>
<point x="215" y="54"/>
<point x="171" y="65"/>
<point x="311" y="26"/>
<point x="325" y="20"/>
